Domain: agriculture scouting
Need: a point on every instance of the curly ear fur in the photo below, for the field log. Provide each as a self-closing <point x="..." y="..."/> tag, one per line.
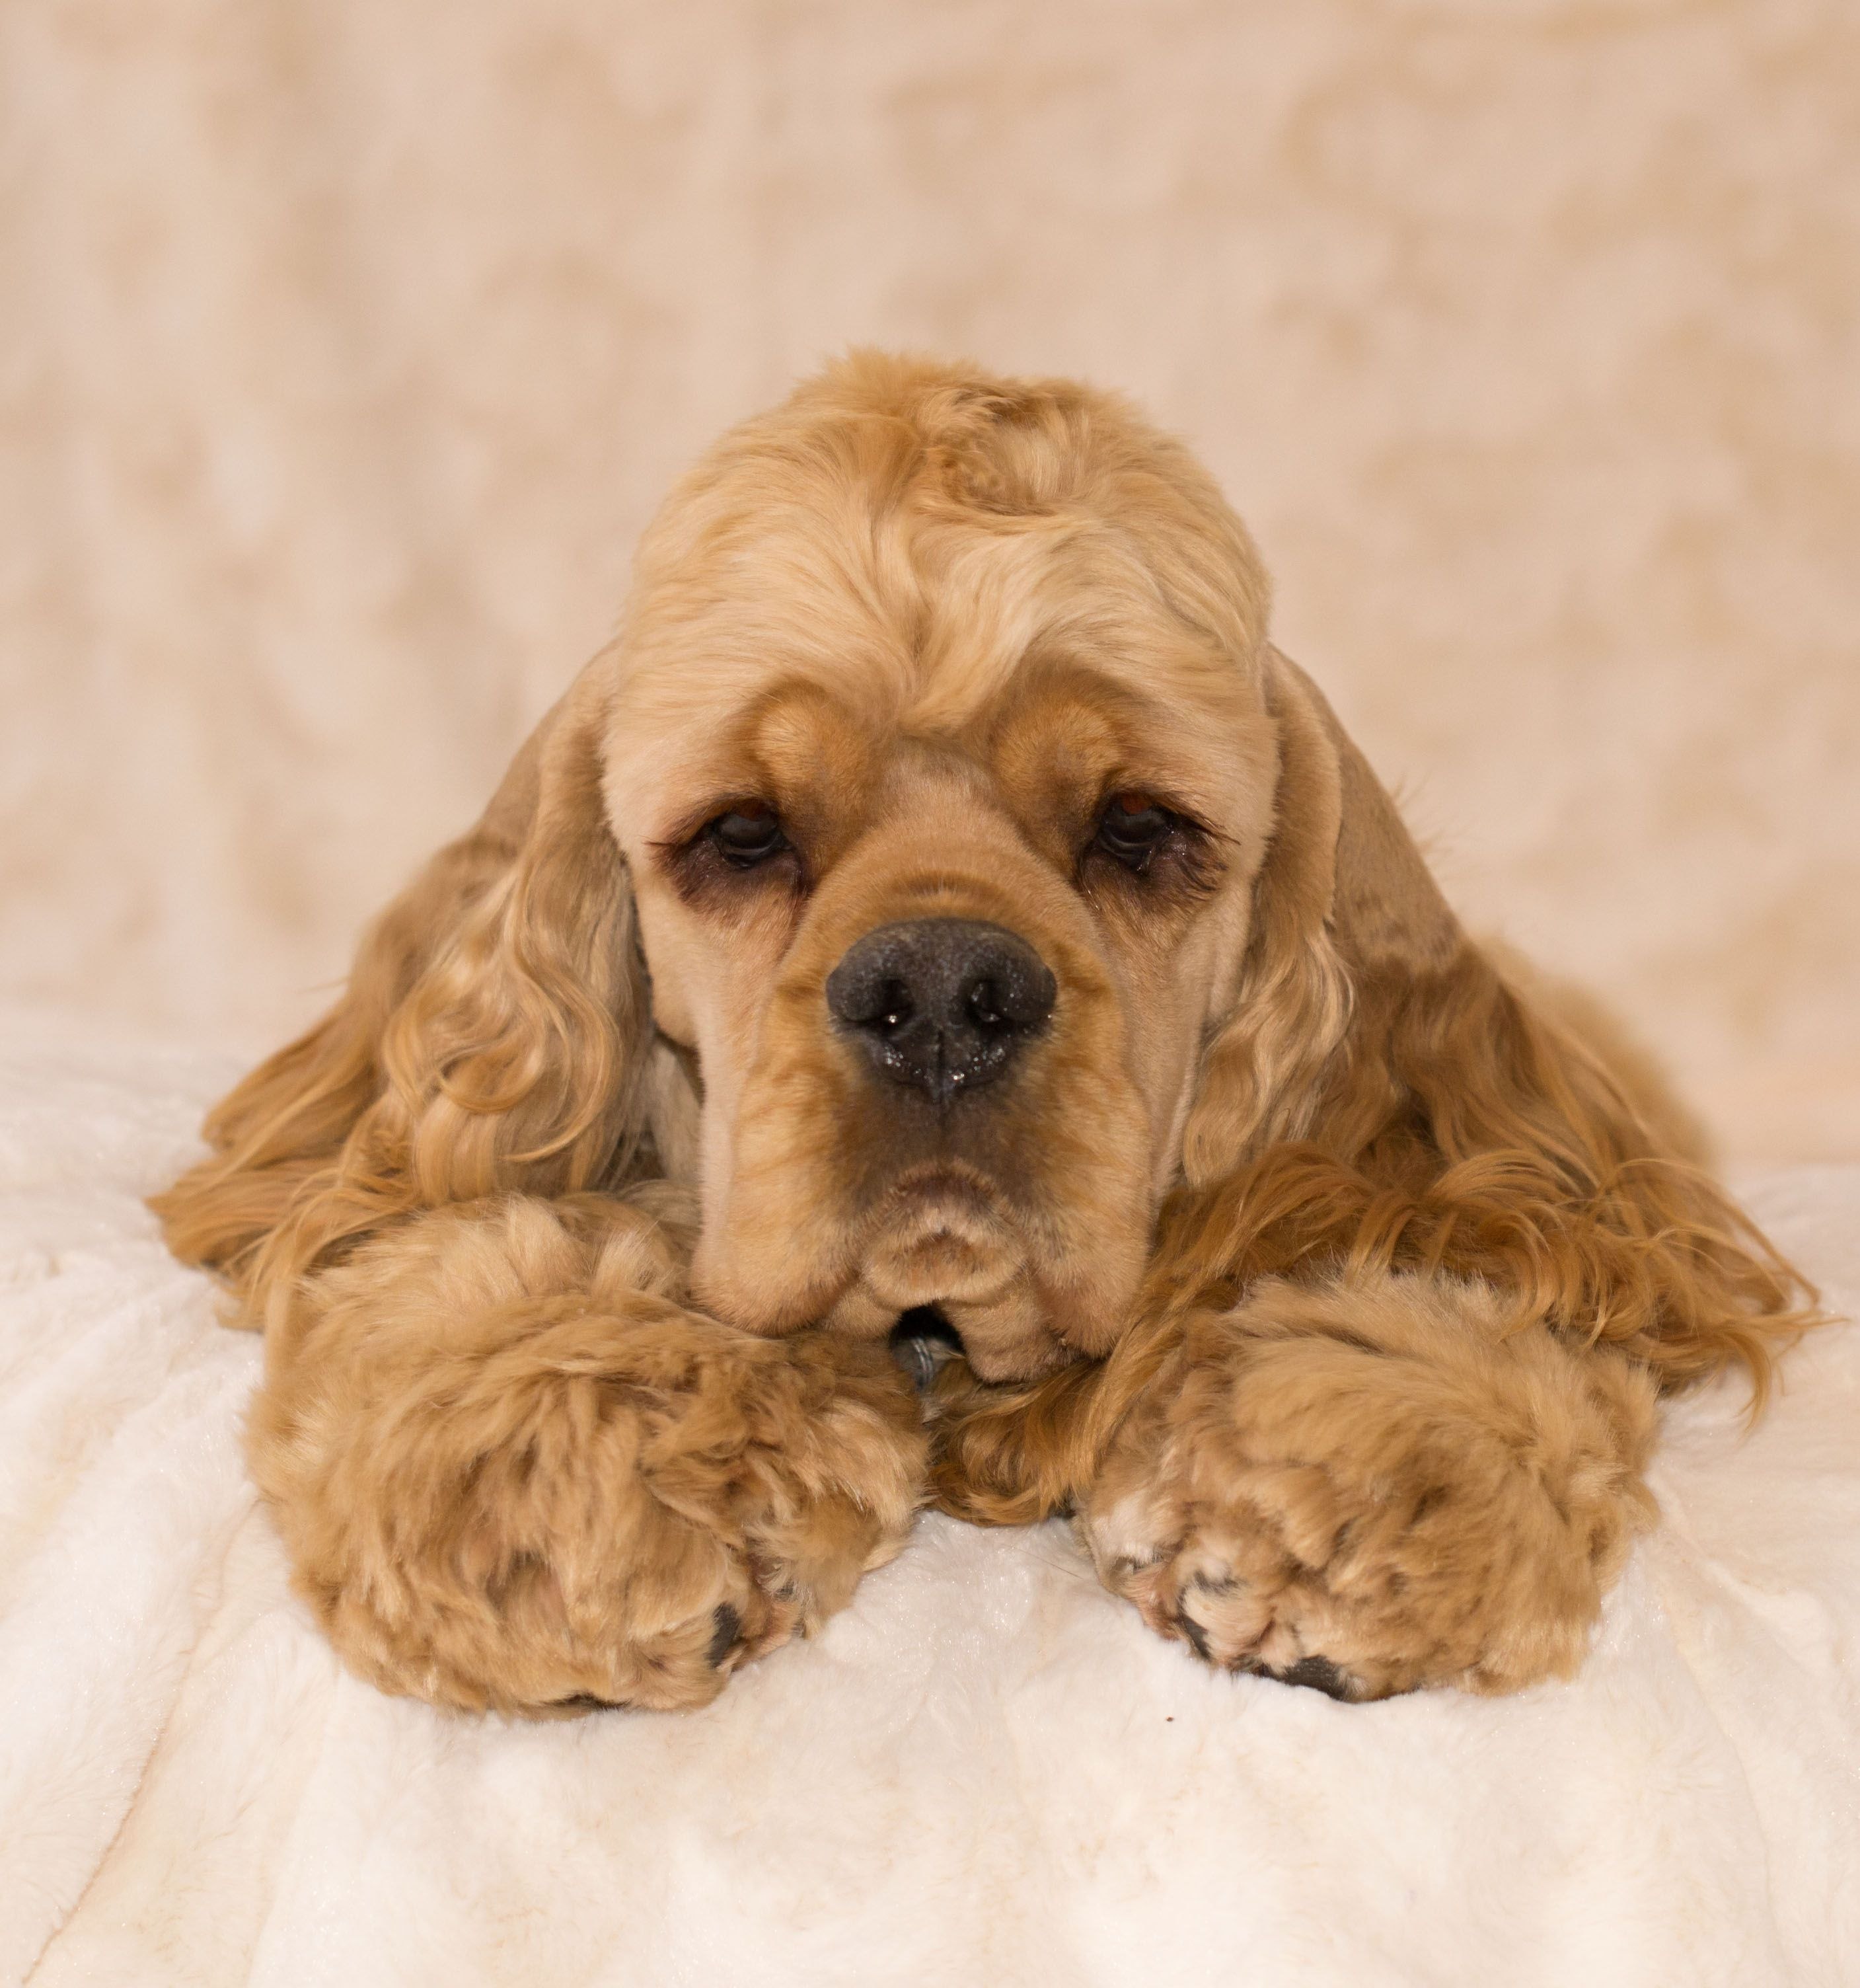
<point x="1385" y="1096"/>
<point x="491" y="1038"/>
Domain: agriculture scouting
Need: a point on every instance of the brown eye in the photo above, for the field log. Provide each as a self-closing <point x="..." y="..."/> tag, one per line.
<point x="1132" y="828"/>
<point x="749" y="833"/>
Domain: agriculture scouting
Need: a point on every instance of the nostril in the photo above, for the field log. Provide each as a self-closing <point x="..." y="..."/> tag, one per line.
<point x="865" y="998"/>
<point x="983" y="1005"/>
<point x="1011" y="992"/>
<point x="895" y="1007"/>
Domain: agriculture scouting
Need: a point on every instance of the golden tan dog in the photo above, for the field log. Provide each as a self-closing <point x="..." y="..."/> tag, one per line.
<point x="942" y="902"/>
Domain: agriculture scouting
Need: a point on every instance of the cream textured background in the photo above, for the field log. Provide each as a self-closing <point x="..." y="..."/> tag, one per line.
<point x="344" y="347"/>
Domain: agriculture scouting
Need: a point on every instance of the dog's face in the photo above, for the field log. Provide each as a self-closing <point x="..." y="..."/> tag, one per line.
<point x="938" y="752"/>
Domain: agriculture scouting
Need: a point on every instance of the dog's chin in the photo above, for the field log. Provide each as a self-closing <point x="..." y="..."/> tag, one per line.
<point x="940" y="1242"/>
<point x="941" y="1239"/>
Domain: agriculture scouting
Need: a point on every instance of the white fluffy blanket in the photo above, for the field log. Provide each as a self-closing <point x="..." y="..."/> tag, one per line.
<point x="985" y="1771"/>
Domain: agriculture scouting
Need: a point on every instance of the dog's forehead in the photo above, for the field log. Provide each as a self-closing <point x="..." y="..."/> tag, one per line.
<point x="839" y="643"/>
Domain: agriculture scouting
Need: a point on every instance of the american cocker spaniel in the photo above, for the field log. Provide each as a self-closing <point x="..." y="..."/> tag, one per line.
<point x="941" y="936"/>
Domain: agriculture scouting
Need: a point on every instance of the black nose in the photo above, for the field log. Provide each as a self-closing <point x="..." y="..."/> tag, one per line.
<point x="941" y="1004"/>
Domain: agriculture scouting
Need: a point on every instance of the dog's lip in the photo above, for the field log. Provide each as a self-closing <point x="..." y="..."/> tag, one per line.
<point x="940" y="1265"/>
<point x="944" y="1180"/>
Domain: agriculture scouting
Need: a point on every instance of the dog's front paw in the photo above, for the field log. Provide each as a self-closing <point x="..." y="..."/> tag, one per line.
<point x="543" y="1498"/>
<point x="1371" y="1486"/>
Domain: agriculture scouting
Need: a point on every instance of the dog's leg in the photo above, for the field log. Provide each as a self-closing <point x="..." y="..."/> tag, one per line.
<point x="1014" y="1453"/>
<point x="514" y="1471"/>
<point x="1369" y="1486"/>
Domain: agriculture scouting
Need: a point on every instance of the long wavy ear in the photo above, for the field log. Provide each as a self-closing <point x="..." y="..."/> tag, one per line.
<point x="1342" y="890"/>
<point x="493" y="1036"/>
<point x="1384" y="1093"/>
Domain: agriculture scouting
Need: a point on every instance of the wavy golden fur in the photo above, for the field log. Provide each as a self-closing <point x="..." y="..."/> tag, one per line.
<point x="1324" y="1264"/>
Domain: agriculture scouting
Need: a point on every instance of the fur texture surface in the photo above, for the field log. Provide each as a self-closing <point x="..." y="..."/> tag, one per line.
<point x="985" y="1767"/>
<point x="1292" y="1209"/>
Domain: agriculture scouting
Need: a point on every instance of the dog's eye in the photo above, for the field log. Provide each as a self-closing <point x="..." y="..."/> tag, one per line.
<point x="749" y="833"/>
<point x="1132" y="828"/>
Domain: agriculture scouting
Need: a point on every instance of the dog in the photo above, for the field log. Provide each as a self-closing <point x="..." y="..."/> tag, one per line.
<point x="942" y="914"/>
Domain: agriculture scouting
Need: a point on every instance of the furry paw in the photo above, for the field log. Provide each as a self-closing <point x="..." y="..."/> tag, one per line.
<point x="513" y="1475"/>
<point x="1370" y="1486"/>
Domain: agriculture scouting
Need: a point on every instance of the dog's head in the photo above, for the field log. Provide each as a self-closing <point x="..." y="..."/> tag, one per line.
<point x="937" y="745"/>
<point x="938" y="865"/>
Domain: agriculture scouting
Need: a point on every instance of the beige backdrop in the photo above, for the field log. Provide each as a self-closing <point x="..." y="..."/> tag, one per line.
<point x="345" y="344"/>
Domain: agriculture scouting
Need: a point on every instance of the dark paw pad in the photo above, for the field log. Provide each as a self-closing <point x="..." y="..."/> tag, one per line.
<point x="1316" y="1674"/>
<point x="725" y="1636"/>
<point x="584" y="1701"/>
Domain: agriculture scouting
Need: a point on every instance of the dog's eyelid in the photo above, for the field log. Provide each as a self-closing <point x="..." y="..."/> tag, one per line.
<point x="695" y="823"/>
<point x="1127" y="798"/>
<point x="1146" y="834"/>
<point x="746" y="835"/>
<point x="734" y="841"/>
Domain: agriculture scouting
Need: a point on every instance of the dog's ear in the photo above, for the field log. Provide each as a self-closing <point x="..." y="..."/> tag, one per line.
<point x="1343" y="895"/>
<point x="493" y="1036"/>
<point x="1384" y="1093"/>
